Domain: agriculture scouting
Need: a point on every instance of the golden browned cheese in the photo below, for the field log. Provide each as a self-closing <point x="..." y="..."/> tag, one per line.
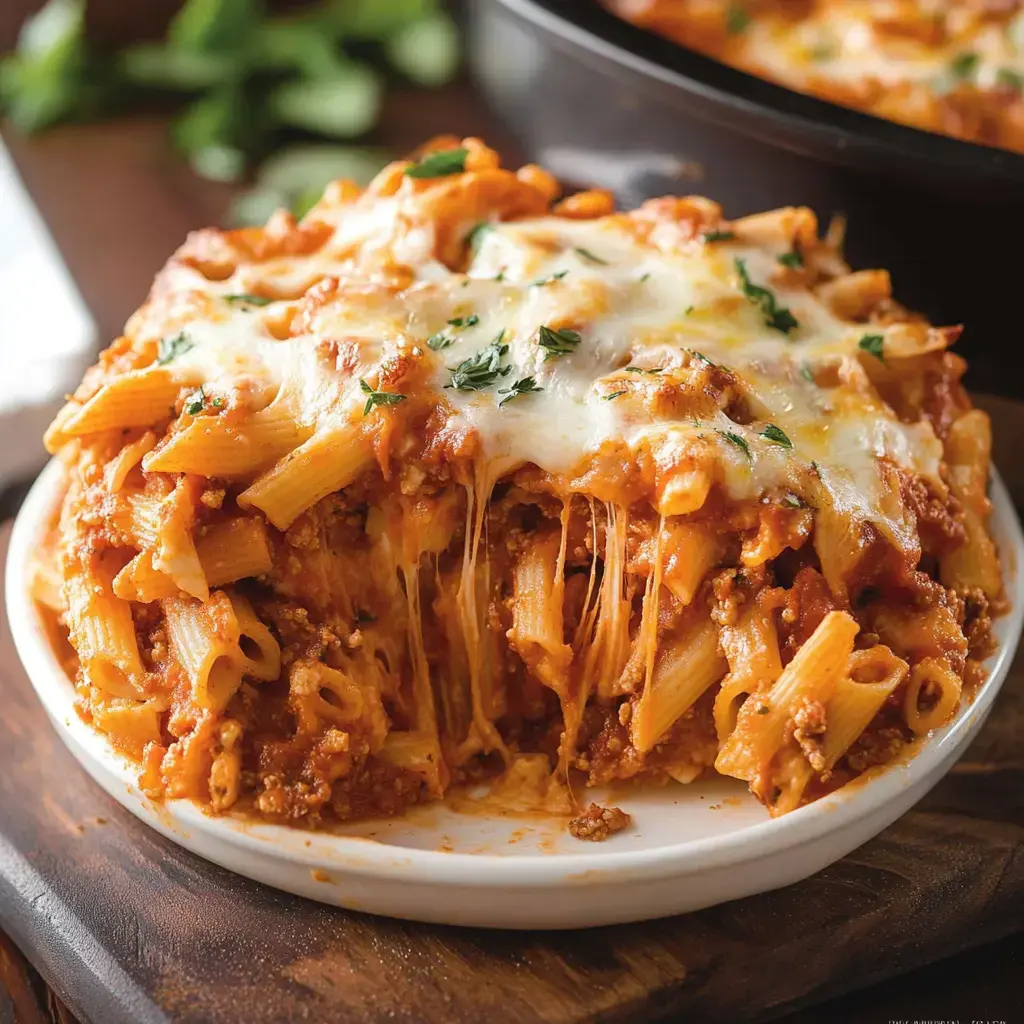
<point x="458" y="475"/>
<point x="956" y="68"/>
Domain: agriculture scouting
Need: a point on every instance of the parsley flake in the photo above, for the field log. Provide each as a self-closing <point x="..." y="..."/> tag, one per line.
<point x="736" y="440"/>
<point x="688" y="310"/>
<point x="587" y="255"/>
<point x="475" y="237"/>
<point x="464" y="321"/>
<point x="170" y="348"/>
<point x="736" y="19"/>
<point x="1010" y="79"/>
<point x="644" y="278"/>
<point x="777" y="317"/>
<point x="807" y="373"/>
<point x="776" y="435"/>
<point x="873" y="344"/>
<point x="792" y="501"/>
<point x="217" y="402"/>
<point x="375" y="398"/>
<point x="482" y="369"/>
<point x="699" y="356"/>
<point x="648" y="371"/>
<point x="541" y="281"/>
<point x="439" y="164"/>
<point x="195" y="402"/>
<point x="963" y="66"/>
<point x="245" y="299"/>
<point x="793" y="260"/>
<point x="718" y="236"/>
<point x="439" y="341"/>
<point x="523" y="386"/>
<point x="614" y="394"/>
<point x="557" y="343"/>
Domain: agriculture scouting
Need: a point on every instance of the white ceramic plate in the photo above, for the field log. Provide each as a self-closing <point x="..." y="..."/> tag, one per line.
<point x="690" y="846"/>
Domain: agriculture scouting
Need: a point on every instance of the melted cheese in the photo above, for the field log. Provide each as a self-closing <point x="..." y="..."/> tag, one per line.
<point x="645" y="305"/>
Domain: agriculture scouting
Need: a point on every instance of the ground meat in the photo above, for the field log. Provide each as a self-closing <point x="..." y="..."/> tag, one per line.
<point x="597" y="823"/>
<point x="808" y="729"/>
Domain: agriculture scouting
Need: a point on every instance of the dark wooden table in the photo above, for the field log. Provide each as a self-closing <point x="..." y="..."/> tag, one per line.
<point x="118" y="202"/>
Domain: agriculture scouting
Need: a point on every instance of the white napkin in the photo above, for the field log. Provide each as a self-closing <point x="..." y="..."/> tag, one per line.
<point x="47" y="338"/>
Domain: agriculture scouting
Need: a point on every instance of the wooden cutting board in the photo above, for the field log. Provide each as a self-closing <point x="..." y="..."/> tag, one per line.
<point x="131" y="930"/>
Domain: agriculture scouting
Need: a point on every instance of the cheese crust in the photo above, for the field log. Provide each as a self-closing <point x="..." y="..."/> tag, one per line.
<point x="457" y="476"/>
<point x="952" y="68"/>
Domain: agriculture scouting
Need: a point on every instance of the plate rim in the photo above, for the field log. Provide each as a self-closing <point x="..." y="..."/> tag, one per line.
<point x="359" y="857"/>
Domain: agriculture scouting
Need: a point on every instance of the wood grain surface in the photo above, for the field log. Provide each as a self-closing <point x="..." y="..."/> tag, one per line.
<point x="130" y="929"/>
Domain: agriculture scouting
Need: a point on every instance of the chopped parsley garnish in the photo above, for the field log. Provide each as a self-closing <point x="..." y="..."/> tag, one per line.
<point x="614" y="394"/>
<point x="644" y="277"/>
<point x="443" y="339"/>
<point x="775" y="316"/>
<point x="481" y="369"/>
<point x="699" y="356"/>
<point x="807" y="373"/>
<point x="587" y="255"/>
<point x="793" y="260"/>
<point x="736" y="19"/>
<point x="440" y="164"/>
<point x="688" y="310"/>
<point x="500" y="275"/>
<point x="523" y="386"/>
<point x="170" y="348"/>
<point x="375" y="398"/>
<point x="195" y="402"/>
<point x="816" y="468"/>
<point x="1010" y="79"/>
<point x="718" y="236"/>
<point x="557" y="343"/>
<point x="648" y="371"/>
<point x="873" y="344"/>
<point x="963" y="66"/>
<point x="792" y="501"/>
<point x="776" y="436"/>
<point x="475" y="236"/>
<point x="736" y="440"/>
<point x="245" y="299"/>
<point x="541" y="281"/>
<point x="217" y="402"/>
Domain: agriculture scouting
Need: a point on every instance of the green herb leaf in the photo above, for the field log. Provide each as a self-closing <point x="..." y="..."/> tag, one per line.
<point x="647" y="371"/>
<point x="793" y="260"/>
<point x="736" y="440"/>
<point x="465" y="321"/>
<point x="644" y="277"/>
<point x="736" y="19"/>
<point x="807" y="373"/>
<point x="344" y="105"/>
<point x="614" y="394"/>
<point x="688" y="310"/>
<point x="557" y="343"/>
<point x="541" y="281"/>
<point x="375" y="398"/>
<point x="587" y="255"/>
<point x="964" y="65"/>
<point x="523" y="386"/>
<point x="439" y="341"/>
<point x="170" y="348"/>
<point x="475" y="237"/>
<point x="718" y="236"/>
<point x="792" y="501"/>
<point x="699" y="356"/>
<point x="217" y="403"/>
<point x="481" y="369"/>
<point x="195" y="402"/>
<point x="439" y="164"/>
<point x="426" y="51"/>
<point x="777" y="317"/>
<point x="776" y="436"/>
<point x="873" y="344"/>
<point x="245" y="299"/>
<point x="1010" y="79"/>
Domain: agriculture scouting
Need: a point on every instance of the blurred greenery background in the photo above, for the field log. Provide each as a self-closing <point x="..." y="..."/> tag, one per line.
<point x="280" y="96"/>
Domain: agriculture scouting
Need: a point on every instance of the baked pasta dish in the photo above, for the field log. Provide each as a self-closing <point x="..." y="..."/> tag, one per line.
<point x="458" y="477"/>
<point x="955" y="67"/>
